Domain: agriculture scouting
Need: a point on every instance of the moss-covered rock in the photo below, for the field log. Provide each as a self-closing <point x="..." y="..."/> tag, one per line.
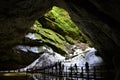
<point x="59" y="21"/>
<point x="56" y="29"/>
<point x="49" y="37"/>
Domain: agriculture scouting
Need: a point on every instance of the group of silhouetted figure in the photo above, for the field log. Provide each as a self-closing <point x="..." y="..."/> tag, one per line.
<point x="59" y="67"/>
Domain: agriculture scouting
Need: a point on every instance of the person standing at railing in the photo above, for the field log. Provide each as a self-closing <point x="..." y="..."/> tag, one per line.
<point x="56" y="67"/>
<point x="87" y="66"/>
<point x="60" y="68"/>
<point x="87" y="69"/>
<point x="76" y="71"/>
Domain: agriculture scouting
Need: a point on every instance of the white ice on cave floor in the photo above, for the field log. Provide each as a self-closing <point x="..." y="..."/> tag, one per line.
<point x="78" y="57"/>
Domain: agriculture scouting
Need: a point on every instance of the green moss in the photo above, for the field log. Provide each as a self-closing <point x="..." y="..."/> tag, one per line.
<point x="56" y="12"/>
<point x="69" y="39"/>
<point x="39" y="37"/>
<point x="36" y="26"/>
<point x="62" y="22"/>
<point x="59" y="21"/>
<point x="49" y="37"/>
<point x="56" y="28"/>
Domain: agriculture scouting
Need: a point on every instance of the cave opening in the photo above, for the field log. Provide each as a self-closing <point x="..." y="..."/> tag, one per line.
<point x="97" y="20"/>
<point x="55" y="33"/>
<point x="56" y="38"/>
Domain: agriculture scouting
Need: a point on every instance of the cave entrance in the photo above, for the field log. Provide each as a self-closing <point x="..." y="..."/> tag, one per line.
<point x="56" y="32"/>
<point x="56" y="39"/>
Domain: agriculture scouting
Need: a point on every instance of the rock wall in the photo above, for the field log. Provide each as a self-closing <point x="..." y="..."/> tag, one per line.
<point x="16" y="17"/>
<point x="99" y="22"/>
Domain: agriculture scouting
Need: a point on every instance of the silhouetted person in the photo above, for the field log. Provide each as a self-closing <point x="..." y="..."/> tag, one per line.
<point x="81" y="74"/>
<point x="60" y="68"/>
<point x="59" y="65"/>
<point x="56" y="65"/>
<point x="75" y="69"/>
<point x="87" y="66"/>
<point x="71" y="70"/>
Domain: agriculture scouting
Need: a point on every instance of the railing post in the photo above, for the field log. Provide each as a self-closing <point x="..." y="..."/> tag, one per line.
<point x="52" y="70"/>
<point x="60" y="68"/>
<point x="66" y="71"/>
<point x="76" y="71"/>
<point x="94" y="73"/>
<point x="56" y="68"/>
<point x="101" y="71"/>
<point x="81" y="74"/>
<point x="87" y="69"/>
<point x="48" y="69"/>
<point x="43" y="70"/>
<point x="71" y="70"/>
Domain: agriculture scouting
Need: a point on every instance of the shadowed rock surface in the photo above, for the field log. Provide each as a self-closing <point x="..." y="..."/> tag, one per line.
<point x="100" y="21"/>
<point x="16" y="18"/>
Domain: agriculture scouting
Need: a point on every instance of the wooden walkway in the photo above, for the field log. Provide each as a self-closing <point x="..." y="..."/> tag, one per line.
<point x="75" y="72"/>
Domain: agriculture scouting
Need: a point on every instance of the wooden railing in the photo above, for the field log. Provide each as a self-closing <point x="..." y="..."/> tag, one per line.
<point x="75" y="72"/>
<point x="85" y="72"/>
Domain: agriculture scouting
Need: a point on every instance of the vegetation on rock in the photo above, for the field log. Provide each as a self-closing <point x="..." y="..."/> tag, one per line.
<point x="56" y="29"/>
<point x="59" y="21"/>
<point x="49" y="37"/>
